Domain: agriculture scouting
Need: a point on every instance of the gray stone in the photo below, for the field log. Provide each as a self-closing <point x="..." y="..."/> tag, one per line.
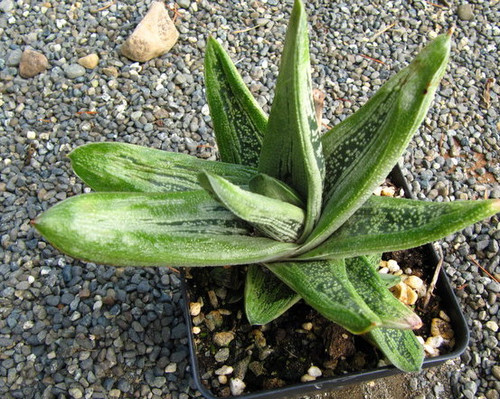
<point x="13" y="58"/>
<point x="465" y="12"/>
<point x="73" y="71"/>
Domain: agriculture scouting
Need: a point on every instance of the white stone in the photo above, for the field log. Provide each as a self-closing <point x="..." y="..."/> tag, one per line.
<point x="222" y="379"/>
<point x="492" y="325"/>
<point x="392" y="265"/>
<point x="171" y="368"/>
<point x="224" y="370"/>
<point x="414" y="282"/>
<point x="237" y="386"/>
<point x="314" y="371"/>
<point x="154" y="36"/>
<point x="31" y="135"/>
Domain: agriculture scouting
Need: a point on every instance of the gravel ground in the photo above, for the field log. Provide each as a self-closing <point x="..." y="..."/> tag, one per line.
<point x="69" y="329"/>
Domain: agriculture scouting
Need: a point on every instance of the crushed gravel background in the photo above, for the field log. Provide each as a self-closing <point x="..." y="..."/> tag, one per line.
<point x="70" y="329"/>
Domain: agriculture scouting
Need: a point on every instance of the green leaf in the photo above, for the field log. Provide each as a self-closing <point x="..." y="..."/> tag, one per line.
<point x="362" y="150"/>
<point x="385" y="224"/>
<point x="274" y="188"/>
<point x="389" y="280"/>
<point x="133" y="229"/>
<point x="239" y="122"/>
<point x="292" y="148"/>
<point x="401" y="347"/>
<point x="371" y="288"/>
<point x="276" y="219"/>
<point x="325" y="286"/>
<point x="266" y="297"/>
<point x="131" y="168"/>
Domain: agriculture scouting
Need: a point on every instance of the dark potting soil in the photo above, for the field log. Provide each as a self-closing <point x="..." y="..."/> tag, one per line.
<point x="281" y="352"/>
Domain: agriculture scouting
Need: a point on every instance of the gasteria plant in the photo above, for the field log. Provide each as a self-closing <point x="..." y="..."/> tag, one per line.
<point x="295" y="206"/>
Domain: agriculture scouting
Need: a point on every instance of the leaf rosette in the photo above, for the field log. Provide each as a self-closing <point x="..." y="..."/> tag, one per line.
<point x="294" y="205"/>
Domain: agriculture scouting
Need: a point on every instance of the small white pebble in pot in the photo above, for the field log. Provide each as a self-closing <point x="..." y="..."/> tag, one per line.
<point x="314" y="371"/>
<point x="393" y="266"/>
<point x="415" y="282"/>
<point x="194" y="308"/>
<point x="222" y="379"/>
<point x="307" y="326"/>
<point x="307" y="378"/>
<point x="237" y="386"/>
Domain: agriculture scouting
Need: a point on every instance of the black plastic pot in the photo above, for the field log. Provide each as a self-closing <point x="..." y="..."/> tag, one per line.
<point x="448" y="301"/>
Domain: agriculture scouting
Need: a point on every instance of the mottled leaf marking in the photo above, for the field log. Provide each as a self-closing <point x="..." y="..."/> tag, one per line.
<point x="134" y="229"/>
<point x="325" y="286"/>
<point x="401" y="347"/>
<point x="266" y="297"/>
<point x="371" y="288"/>
<point x="362" y="150"/>
<point x="386" y="224"/>
<point x="239" y="122"/>
<point x="127" y="167"/>
<point x="292" y="149"/>
<point x="275" y="219"/>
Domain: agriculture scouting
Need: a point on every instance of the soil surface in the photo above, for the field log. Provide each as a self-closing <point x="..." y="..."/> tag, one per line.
<point x="280" y="353"/>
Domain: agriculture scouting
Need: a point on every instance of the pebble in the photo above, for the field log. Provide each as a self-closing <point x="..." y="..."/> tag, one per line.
<point x="89" y="61"/>
<point x="495" y="371"/>
<point x="73" y="71"/>
<point x="224" y="370"/>
<point x="76" y="393"/>
<point x="491" y="325"/>
<point x="6" y="6"/>
<point x="314" y="371"/>
<point x="154" y="36"/>
<point x="465" y="12"/>
<point x="32" y="63"/>
<point x="13" y="57"/>
<point x="237" y="386"/>
<point x="222" y="355"/>
<point x="223" y="338"/>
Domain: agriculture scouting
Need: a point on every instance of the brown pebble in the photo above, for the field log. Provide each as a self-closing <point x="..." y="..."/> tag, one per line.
<point x="223" y="338"/>
<point x="32" y="63"/>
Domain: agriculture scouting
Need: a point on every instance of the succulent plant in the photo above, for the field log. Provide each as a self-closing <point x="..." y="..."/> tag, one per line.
<point x="294" y="205"/>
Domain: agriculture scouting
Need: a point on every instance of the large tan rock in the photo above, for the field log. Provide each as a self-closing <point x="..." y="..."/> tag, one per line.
<point x="154" y="36"/>
<point x="32" y="63"/>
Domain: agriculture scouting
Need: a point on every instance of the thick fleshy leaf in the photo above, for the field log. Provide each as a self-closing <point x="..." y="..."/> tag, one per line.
<point x="266" y="297"/>
<point x="274" y="188"/>
<point x="401" y="347"/>
<point x="276" y="219"/>
<point x="386" y="224"/>
<point x="362" y="150"/>
<point x="389" y="280"/>
<point x="325" y="286"/>
<point x="133" y="229"/>
<point x="372" y="289"/>
<point x="131" y="168"/>
<point x="239" y="122"/>
<point x="291" y="151"/>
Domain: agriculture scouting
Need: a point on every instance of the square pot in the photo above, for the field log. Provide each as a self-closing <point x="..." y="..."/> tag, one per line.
<point x="443" y="290"/>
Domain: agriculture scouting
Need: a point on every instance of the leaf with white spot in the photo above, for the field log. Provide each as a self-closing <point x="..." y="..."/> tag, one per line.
<point x="362" y="150"/>
<point x="385" y="224"/>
